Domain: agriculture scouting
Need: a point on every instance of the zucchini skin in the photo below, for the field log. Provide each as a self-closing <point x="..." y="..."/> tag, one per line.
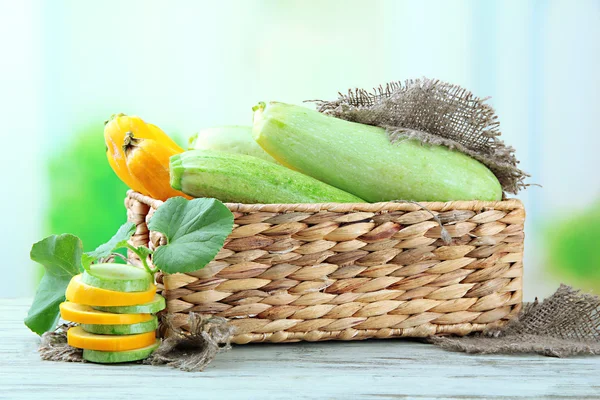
<point x="360" y="159"/>
<point x="152" y="307"/>
<point x="125" y="329"/>
<point x="229" y="139"/>
<point x="245" y="179"/>
<point x="113" y="357"/>
<point x="117" y="277"/>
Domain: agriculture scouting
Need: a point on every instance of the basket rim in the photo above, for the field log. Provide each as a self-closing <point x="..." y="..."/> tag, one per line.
<point x="472" y="205"/>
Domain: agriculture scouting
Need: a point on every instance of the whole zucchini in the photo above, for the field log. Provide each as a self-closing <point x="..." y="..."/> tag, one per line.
<point x="246" y="179"/>
<point x="361" y="160"/>
<point x="230" y="139"/>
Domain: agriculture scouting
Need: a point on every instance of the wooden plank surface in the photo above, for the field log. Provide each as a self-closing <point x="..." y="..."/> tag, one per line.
<point x="393" y="369"/>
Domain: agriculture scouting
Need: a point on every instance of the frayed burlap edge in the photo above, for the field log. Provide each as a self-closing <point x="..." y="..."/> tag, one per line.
<point x="433" y="112"/>
<point x="54" y="347"/>
<point x="565" y="324"/>
<point x="192" y="351"/>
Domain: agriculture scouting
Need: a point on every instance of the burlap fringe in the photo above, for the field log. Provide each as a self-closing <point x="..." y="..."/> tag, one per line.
<point x="563" y="325"/>
<point x="54" y="347"/>
<point x="433" y="112"/>
<point x="193" y="351"/>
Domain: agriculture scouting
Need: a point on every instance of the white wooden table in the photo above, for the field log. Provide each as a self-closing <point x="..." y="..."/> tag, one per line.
<point x="383" y="369"/>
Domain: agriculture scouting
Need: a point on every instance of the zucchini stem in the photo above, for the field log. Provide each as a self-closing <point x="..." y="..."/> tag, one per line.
<point x="260" y="106"/>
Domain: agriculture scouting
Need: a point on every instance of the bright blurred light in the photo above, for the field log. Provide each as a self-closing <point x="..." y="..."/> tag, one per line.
<point x="186" y="65"/>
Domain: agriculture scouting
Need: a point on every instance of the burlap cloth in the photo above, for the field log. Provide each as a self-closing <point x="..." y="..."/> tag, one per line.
<point x="433" y="112"/>
<point x="565" y="324"/>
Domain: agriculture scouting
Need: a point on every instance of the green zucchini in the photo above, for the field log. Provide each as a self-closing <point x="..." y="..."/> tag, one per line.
<point x="113" y="357"/>
<point x="117" y="277"/>
<point x="245" y="179"/>
<point x="230" y="139"/>
<point x="124" y="329"/>
<point x="361" y="160"/>
<point x="156" y="305"/>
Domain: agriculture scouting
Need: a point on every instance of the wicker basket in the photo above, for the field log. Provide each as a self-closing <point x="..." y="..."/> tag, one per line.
<point x="292" y="272"/>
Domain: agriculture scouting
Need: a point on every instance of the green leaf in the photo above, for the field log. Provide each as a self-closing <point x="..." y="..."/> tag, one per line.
<point x="196" y="230"/>
<point x="61" y="258"/>
<point x="118" y="241"/>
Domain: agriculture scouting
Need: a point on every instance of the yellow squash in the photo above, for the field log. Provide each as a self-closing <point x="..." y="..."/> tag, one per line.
<point x="148" y="163"/>
<point x="160" y="136"/>
<point x="79" y="292"/>
<point x="115" y="132"/>
<point x="77" y="337"/>
<point x="82" y="314"/>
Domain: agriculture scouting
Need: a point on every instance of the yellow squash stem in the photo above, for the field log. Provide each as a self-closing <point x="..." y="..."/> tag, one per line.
<point x="116" y="160"/>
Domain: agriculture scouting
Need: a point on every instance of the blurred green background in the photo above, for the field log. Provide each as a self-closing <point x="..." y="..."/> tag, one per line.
<point x="184" y="65"/>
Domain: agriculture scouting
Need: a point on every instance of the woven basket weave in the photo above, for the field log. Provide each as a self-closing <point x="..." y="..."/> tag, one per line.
<point x="291" y="272"/>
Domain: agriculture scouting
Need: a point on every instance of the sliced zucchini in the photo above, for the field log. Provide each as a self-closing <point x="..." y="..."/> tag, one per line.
<point x="112" y="357"/>
<point x="157" y="304"/>
<point x="117" y="277"/>
<point x="79" y="292"/>
<point x="123" y="329"/>
<point x="82" y="314"/>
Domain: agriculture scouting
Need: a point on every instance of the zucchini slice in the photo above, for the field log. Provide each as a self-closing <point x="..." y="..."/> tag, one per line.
<point x="123" y="329"/>
<point x="113" y="357"/>
<point x="79" y="292"/>
<point x="117" y="277"/>
<point x="82" y="314"/>
<point x="157" y="304"/>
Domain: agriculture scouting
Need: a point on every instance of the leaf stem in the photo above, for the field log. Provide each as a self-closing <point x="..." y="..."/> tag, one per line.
<point x="142" y="257"/>
<point x="118" y="255"/>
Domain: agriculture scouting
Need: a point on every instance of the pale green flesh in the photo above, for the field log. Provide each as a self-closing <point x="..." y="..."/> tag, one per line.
<point x="229" y="139"/>
<point x="156" y="305"/>
<point x="124" y="329"/>
<point x="360" y="159"/>
<point x="112" y="357"/>
<point x="246" y="179"/>
<point x="117" y="277"/>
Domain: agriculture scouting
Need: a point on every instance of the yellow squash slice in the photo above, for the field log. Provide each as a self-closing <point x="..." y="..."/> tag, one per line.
<point x="87" y="315"/>
<point x="79" y="292"/>
<point x="81" y="339"/>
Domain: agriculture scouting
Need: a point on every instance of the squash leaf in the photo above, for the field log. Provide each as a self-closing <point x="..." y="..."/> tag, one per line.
<point x="118" y="241"/>
<point x="195" y="230"/>
<point x="61" y="257"/>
